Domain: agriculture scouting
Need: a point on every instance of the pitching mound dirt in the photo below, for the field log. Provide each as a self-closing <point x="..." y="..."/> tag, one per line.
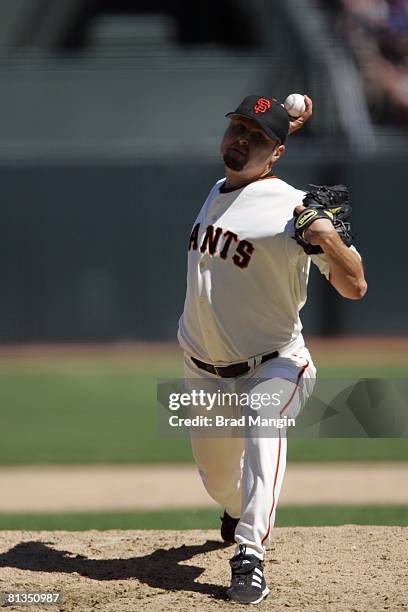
<point x="348" y="568"/>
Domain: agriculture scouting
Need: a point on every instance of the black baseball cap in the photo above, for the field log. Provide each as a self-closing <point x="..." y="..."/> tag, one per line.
<point x="270" y="115"/>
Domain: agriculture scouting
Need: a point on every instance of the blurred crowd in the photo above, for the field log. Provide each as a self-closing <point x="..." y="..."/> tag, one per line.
<point x="377" y="34"/>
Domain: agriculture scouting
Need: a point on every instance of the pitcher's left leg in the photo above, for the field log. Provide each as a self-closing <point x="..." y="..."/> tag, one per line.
<point x="264" y="469"/>
<point x="265" y="457"/>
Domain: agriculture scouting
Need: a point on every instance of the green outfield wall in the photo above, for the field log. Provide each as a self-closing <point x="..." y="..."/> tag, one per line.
<point x="96" y="250"/>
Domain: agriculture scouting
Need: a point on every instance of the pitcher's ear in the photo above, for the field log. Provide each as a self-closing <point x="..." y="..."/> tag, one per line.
<point x="278" y="152"/>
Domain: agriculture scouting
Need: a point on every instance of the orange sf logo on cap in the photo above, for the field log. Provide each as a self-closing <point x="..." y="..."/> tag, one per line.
<point x="262" y="105"/>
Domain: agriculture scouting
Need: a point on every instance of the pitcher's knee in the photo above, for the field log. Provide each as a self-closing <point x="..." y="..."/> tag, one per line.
<point x="222" y="486"/>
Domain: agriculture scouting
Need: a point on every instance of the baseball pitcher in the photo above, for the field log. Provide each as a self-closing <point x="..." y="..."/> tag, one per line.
<point x="249" y="254"/>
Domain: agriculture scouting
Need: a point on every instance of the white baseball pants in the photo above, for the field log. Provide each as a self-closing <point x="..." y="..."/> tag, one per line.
<point x="244" y="475"/>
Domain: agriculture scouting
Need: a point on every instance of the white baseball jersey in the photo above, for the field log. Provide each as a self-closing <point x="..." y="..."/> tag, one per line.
<point x="247" y="277"/>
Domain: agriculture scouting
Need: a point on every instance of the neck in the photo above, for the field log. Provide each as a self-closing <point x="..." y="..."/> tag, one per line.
<point x="234" y="180"/>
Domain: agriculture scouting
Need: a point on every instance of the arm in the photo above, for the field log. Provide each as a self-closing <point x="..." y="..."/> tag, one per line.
<point x="346" y="269"/>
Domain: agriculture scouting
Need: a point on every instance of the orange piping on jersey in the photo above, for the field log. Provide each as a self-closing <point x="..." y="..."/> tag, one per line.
<point x="223" y="189"/>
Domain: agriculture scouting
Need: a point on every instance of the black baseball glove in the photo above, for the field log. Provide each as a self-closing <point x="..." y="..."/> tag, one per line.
<point x="324" y="202"/>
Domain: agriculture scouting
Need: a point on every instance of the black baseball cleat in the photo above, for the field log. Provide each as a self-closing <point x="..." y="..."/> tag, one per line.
<point x="228" y="526"/>
<point x="248" y="584"/>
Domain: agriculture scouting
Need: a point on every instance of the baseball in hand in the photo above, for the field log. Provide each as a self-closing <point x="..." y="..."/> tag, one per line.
<point x="295" y="105"/>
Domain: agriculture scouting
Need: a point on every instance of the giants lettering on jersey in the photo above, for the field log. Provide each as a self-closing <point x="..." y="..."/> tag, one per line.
<point x="223" y="242"/>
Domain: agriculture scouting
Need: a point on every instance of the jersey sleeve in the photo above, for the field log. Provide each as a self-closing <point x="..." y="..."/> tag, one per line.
<point x="321" y="262"/>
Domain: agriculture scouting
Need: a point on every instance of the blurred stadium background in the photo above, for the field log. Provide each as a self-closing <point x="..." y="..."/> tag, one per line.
<point x="111" y="112"/>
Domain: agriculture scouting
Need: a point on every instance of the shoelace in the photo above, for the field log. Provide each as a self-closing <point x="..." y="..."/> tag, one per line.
<point x="242" y="551"/>
<point x="240" y="564"/>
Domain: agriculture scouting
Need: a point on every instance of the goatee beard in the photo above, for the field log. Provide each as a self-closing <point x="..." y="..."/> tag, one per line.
<point x="233" y="163"/>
